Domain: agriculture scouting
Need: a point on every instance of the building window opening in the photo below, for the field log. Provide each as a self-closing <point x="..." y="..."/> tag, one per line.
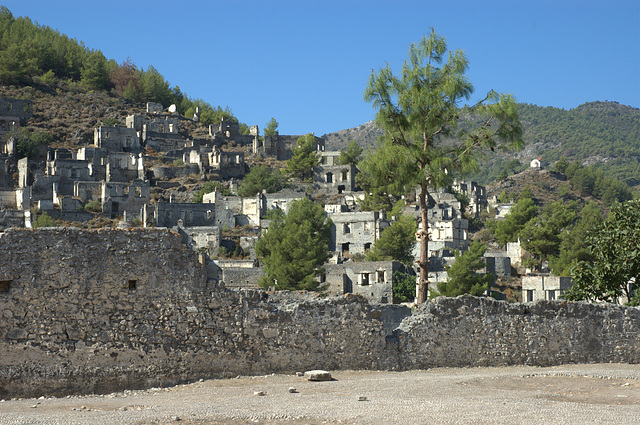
<point x="341" y="189"/>
<point x="380" y="276"/>
<point x="346" y="228"/>
<point x="5" y="286"/>
<point x="329" y="178"/>
<point x="529" y="296"/>
<point x="344" y="175"/>
<point x="345" y="249"/>
<point x="367" y="247"/>
<point x="132" y="284"/>
<point x="364" y="279"/>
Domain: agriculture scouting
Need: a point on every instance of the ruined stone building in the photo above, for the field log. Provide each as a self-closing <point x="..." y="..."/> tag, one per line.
<point x="544" y="287"/>
<point x="374" y="280"/>
<point x="13" y="114"/>
<point x="329" y="176"/>
<point x="356" y="232"/>
<point x="281" y="147"/>
<point x="168" y="214"/>
<point x="228" y="131"/>
<point x="116" y="139"/>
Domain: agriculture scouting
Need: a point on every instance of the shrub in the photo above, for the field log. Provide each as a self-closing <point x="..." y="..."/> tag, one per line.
<point x="93" y="206"/>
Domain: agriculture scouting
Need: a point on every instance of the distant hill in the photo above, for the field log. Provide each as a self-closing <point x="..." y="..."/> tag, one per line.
<point x="366" y="135"/>
<point x="603" y="133"/>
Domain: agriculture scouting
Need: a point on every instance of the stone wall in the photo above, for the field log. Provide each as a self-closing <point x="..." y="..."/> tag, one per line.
<point x="469" y="331"/>
<point x="96" y="311"/>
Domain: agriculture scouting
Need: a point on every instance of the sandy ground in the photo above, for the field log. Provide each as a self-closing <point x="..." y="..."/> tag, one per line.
<point x="571" y="394"/>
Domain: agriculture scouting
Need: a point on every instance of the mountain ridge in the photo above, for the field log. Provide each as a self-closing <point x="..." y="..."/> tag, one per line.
<point x="604" y="133"/>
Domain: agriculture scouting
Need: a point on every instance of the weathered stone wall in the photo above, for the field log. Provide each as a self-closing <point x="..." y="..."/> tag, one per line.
<point x="470" y="331"/>
<point x="95" y="311"/>
<point x="85" y="311"/>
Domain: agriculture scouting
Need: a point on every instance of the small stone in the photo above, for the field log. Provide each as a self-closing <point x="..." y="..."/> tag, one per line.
<point x="34" y="406"/>
<point x="292" y="390"/>
<point x="299" y="374"/>
<point x="259" y="393"/>
<point x="362" y="398"/>
<point x="317" y="375"/>
<point x="177" y="418"/>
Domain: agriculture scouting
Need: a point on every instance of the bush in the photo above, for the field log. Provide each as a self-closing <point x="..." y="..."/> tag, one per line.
<point x="28" y="144"/>
<point x="404" y="288"/>
<point x="44" y="220"/>
<point x="93" y="206"/>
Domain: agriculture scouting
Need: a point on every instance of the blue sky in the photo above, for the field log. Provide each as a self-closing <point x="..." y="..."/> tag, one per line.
<point x="307" y="63"/>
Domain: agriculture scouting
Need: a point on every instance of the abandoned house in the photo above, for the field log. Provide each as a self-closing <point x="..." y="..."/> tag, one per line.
<point x="328" y="176"/>
<point x="230" y="131"/>
<point x="372" y="279"/>
<point x="13" y="114"/>
<point x="116" y="139"/>
<point x="281" y="147"/>
<point x="356" y="232"/>
<point x="544" y="287"/>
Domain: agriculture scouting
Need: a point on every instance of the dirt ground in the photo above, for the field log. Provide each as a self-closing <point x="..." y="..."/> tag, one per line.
<point x="571" y="394"/>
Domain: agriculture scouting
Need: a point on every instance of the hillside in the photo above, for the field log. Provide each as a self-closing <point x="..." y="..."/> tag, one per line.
<point x="603" y="133"/>
<point x="545" y="185"/>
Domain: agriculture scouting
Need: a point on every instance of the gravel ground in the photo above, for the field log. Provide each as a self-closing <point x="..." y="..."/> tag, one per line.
<point x="570" y="394"/>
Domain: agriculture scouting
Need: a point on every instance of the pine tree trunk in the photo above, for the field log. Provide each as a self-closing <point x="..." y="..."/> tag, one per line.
<point x="422" y="294"/>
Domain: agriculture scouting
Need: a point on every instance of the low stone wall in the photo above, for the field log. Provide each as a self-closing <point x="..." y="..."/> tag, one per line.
<point x="470" y="331"/>
<point x="97" y="311"/>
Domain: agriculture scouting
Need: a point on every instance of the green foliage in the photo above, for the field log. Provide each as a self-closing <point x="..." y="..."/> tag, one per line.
<point x="261" y="178"/>
<point x="44" y="220"/>
<point x="404" y="287"/>
<point x="208" y="114"/>
<point x="274" y="214"/>
<point x="593" y="181"/>
<point x="395" y="242"/>
<point x="509" y="229"/>
<point x="294" y="248"/>
<point x="271" y="128"/>
<point x="93" y="206"/>
<point x="208" y="188"/>
<point x="48" y="78"/>
<point x="30" y="143"/>
<point x="462" y="275"/>
<point x="600" y="129"/>
<point x="504" y="197"/>
<point x="351" y="155"/>
<point x="177" y="162"/>
<point x="573" y="246"/>
<point x="305" y="158"/>
<point x="110" y="122"/>
<point x="614" y="269"/>
<point x="561" y="165"/>
<point x="542" y="235"/>
<point x="94" y="74"/>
